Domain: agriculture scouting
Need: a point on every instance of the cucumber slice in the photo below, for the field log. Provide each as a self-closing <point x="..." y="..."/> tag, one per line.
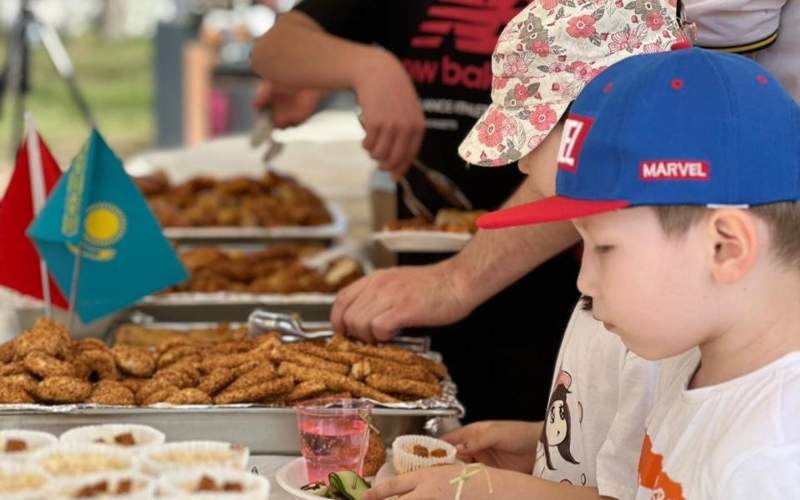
<point x="349" y="484"/>
<point x="316" y="489"/>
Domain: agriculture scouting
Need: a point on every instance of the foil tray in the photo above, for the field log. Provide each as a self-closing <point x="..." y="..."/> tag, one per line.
<point x="265" y="430"/>
<point x="207" y="235"/>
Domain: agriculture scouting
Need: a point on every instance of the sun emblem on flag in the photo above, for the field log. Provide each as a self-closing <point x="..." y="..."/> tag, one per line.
<point x="104" y="225"/>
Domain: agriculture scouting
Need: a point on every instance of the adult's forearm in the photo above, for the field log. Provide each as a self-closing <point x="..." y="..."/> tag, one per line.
<point x="496" y="258"/>
<point x="297" y="52"/>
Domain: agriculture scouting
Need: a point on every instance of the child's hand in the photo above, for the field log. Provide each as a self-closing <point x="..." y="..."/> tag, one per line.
<point x="504" y="445"/>
<point x="429" y="484"/>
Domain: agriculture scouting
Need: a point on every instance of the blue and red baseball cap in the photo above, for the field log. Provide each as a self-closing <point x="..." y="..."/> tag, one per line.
<point x="687" y="127"/>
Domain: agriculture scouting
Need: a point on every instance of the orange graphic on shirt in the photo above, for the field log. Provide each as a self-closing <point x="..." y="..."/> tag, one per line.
<point x="653" y="476"/>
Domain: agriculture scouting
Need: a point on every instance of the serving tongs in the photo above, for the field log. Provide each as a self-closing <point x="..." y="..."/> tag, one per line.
<point x="262" y="134"/>
<point x="291" y="328"/>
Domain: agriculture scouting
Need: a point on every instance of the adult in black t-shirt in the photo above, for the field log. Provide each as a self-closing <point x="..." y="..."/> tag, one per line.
<point x="501" y="354"/>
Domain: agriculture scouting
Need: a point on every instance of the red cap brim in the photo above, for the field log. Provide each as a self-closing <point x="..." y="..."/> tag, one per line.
<point x="553" y="209"/>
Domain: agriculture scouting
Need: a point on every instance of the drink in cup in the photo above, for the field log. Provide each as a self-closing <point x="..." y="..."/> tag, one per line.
<point x="333" y="436"/>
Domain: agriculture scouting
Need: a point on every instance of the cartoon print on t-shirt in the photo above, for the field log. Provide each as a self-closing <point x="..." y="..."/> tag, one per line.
<point x="557" y="422"/>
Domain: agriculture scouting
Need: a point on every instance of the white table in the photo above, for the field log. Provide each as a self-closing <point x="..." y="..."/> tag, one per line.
<point x="268" y="466"/>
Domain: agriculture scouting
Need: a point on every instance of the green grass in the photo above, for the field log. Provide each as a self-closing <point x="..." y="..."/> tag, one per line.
<point x="116" y="78"/>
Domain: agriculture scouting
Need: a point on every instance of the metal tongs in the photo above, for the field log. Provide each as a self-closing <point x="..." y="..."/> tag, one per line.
<point x="442" y="184"/>
<point x="291" y="328"/>
<point x="262" y="134"/>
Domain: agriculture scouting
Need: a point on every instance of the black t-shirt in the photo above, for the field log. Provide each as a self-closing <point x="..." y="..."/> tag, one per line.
<point x="502" y="355"/>
<point x="446" y="48"/>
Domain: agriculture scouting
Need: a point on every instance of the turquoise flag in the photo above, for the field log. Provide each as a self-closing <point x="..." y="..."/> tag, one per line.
<point x="97" y="212"/>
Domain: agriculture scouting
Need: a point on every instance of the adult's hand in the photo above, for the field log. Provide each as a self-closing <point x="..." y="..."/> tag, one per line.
<point x="290" y="107"/>
<point x="500" y="444"/>
<point x="377" y="306"/>
<point x="391" y="113"/>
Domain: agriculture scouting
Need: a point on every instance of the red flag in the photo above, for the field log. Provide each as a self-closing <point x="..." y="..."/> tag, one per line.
<point x="19" y="260"/>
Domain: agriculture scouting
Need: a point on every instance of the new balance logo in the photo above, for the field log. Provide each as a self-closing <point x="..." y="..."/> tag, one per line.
<point x="576" y="128"/>
<point x="674" y="170"/>
<point x="475" y="24"/>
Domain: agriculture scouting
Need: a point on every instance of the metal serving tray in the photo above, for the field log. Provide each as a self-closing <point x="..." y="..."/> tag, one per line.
<point x="325" y="233"/>
<point x="264" y="430"/>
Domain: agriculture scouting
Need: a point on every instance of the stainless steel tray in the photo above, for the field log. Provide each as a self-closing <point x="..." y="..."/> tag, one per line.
<point x="326" y="233"/>
<point x="264" y="430"/>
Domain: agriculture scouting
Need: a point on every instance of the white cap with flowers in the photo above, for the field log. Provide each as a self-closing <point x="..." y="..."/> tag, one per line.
<point x="544" y="58"/>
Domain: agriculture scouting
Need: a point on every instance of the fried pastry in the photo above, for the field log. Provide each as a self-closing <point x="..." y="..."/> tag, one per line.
<point x="43" y="365"/>
<point x="110" y="392"/>
<point x="189" y="396"/>
<point x="403" y="386"/>
<point x="134" y="361"/>
<point x="258" y="392"/>
<point x="63" y="390"/>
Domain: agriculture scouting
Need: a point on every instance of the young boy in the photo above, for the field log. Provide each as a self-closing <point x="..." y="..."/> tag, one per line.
<point x="701" y="151"/>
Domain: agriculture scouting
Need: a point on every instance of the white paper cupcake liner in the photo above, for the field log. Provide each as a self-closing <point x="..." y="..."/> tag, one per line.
<point x="35" y="440"/>
<point x="181" y="484"/>
<point x="194" y="454"/>
<point x="146" y="437"/>
<point x="405" y="460"/>
<point x="144" y="487"/>
<point x="65" y="461"/>
<point x="16" y="472"/>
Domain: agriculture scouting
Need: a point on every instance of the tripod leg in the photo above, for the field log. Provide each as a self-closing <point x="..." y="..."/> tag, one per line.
<point x="60" y="58"/>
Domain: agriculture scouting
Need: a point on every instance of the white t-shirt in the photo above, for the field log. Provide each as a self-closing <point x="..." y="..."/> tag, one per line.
<point x="727" y="23"/>
<point x="735" y="440"/>
<point x="599" y="400"/>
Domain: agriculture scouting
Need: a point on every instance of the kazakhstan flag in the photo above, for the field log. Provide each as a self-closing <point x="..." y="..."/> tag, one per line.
<point x="97" y="212"/>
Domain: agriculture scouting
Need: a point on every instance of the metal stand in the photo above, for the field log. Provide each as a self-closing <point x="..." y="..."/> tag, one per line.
<point x="15" y="78"/>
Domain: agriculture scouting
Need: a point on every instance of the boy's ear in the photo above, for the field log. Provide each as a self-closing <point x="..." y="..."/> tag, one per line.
<point x="732" y="244"/>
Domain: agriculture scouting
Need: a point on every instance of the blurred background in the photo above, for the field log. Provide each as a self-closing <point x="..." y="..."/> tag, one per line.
<point x="155" y="74"/>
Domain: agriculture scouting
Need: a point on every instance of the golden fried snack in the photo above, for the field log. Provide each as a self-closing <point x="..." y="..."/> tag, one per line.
<point x="189" y="396"/>
<point x="133" y="383"/>
<point x="15" y="368"/>
<point x="368" y="366"/>
<point x="385" y="352"/>
<point x="175" y="354"/>
<point x="96" y="364"/>
<point x="306" y="390"/>
<point x="435" y="367"/>
<point x="24" y="380"/>
<point x="63" y="390"/>
<point x="231" y="347"/>
<point x="7" y="351"/>
<point x="44" y="365"/>
<point x="46" y="336"/>
<point x="111" y="392"/>
<point x="376" y="455"/>
<point x="215" y="381"/>
<point x="88" y="344"/>
<point x="246" y="367"/>
<point x="334" y="381"/>
<point x="173" y="343"/>
<point x="258" y="376"/>
<point x="150" y="387"/>
<point x="134" y="361"/>
<point x="234" y="360"/>
<point x="345" y="358"/>
<point x="14" y="394"/>
<point x="274" y="387"/>
<point x="179" y="378"/>
<point x="160" y="396"/>
<point x="403" y="386"/>
<point x="282" y="354"/>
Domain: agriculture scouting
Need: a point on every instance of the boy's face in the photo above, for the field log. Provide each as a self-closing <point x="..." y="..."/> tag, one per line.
<point x="650" y="289"/>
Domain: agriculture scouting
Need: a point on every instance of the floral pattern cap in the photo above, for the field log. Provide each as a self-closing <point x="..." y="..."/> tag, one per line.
<point x="544" y="58"/>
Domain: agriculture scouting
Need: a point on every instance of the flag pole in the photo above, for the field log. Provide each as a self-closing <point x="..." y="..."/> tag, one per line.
<point x="73" y="289"/>
<point x="38" y="195"/>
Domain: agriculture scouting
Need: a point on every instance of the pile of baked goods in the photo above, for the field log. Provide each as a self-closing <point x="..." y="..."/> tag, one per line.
<point x="273" y="200"/>
<point x="94" y="462"/>
<point x="44" y="365"/>
<point x="277" y="269"/>
<point x="447" y="220"/>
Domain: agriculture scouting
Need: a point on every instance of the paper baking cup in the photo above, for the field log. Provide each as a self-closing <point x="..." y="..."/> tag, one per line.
<point x="144" y="488"/>
<point x="146" y="437"/>
<point x="404" y="459"/>
<point x="65" y="461"/>
<point x="194" y="454"/>
<point x="35" y="440"/>
<point x="16" y="472"/>
<point x="181" y="484"/>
